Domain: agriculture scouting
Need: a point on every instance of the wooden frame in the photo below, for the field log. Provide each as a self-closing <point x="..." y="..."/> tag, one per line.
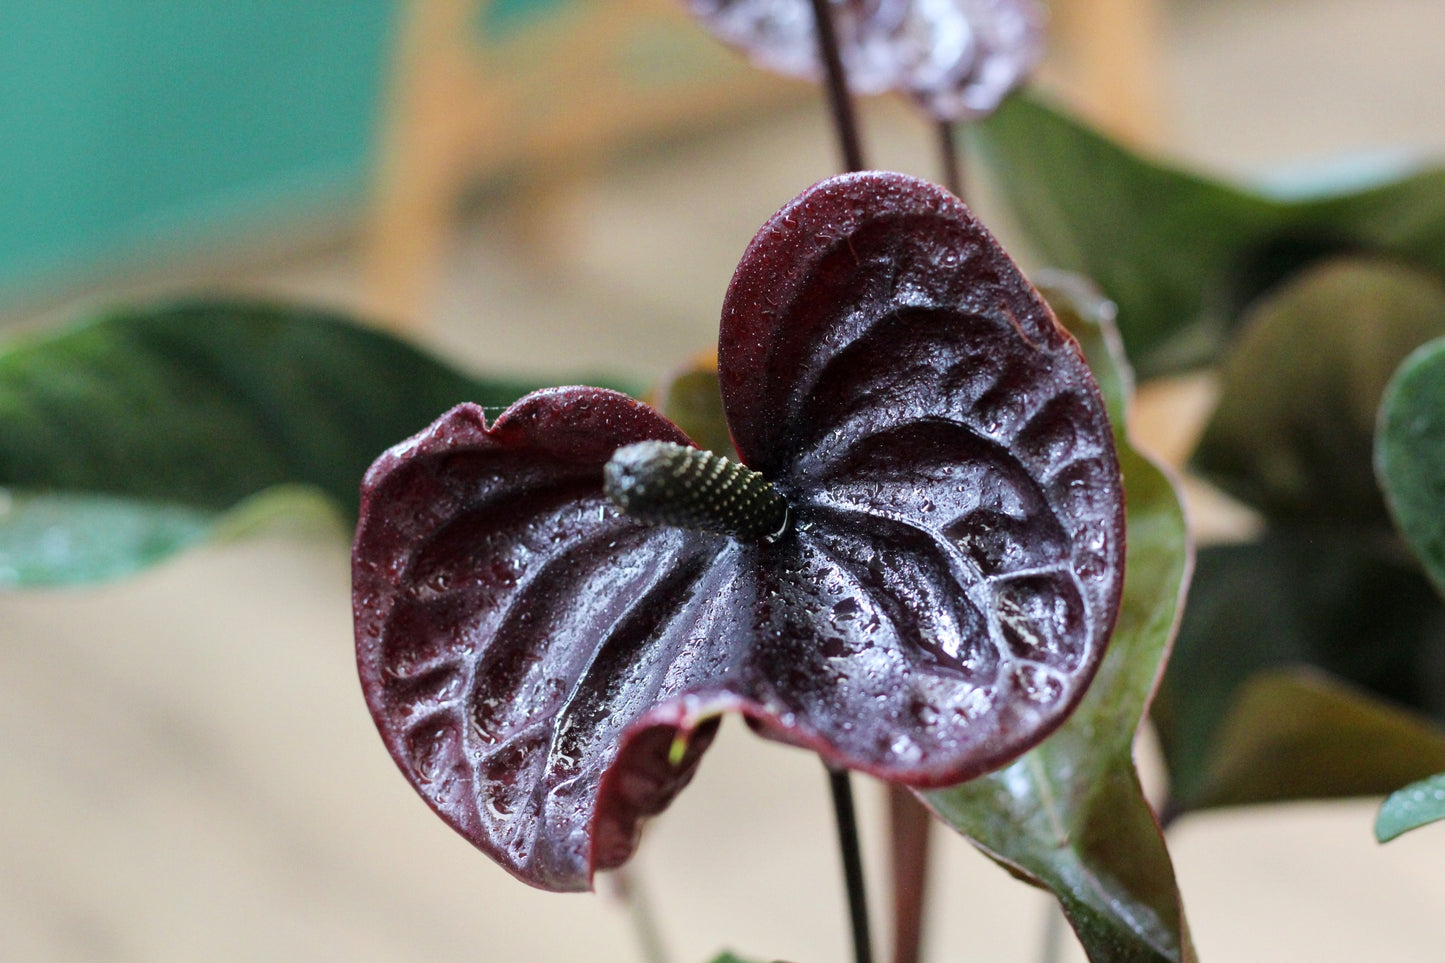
<point x="461" y="105"/>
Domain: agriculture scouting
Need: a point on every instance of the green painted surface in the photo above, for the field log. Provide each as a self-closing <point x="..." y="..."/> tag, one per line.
<point x="138" y="130"/>
<point x="135" y="128"/>
<point x="503" y="15"/>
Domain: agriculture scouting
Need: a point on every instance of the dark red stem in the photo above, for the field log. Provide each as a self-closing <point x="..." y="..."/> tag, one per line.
<point x="909" y="823"/>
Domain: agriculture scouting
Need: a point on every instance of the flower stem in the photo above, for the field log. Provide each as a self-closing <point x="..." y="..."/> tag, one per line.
<point x="951" y="160"/>
<point x="909" y="824"/>
<point x="852" y="863"/>
<point x="844" y="118"/>
<point x="845" y="123"/>
<point x="639" y="909"/>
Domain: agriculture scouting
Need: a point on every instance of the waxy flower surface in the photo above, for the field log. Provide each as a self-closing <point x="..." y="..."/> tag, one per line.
<point x="957" y="58"/>
<point x="548" y="670"/>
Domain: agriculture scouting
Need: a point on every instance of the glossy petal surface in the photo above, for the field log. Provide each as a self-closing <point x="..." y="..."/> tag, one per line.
<point x="957" y="58"/>
<point x="1070" y="814"/>
<point x="548" y="672"/>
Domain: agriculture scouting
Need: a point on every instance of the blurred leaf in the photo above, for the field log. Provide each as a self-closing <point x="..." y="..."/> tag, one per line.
<point x="1342" y="600"/>
<point x="1403" y="217"/>
<point x="1296" y="733"/>
<point x="1301" y="387"/>
<point x="690" y="397"/>
<point x="731" y="957"/>
<point x="1410" y="455"/>
<point x="1410" y="808"/>
<point x="130" y="437"/>
<point x="1178" y="253"/>
<point x="62" y="539"/>
<point x="67" y="539"/>
<point x="1070" y="815"/>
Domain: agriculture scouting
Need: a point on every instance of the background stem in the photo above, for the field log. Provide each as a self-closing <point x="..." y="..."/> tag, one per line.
<point x="842" y="791"/>
<point x="909" y="824"/>
<point x="844" y="119"/>
<point x="949" y="156"/>
<point x="629" y="890"/>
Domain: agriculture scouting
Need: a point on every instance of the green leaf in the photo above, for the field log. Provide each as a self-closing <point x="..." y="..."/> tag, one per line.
<point x="1178" y="253"/>
<point x="1418" y="804"/>
<point x="68" y="538"/>
<point x="131" y="437"/>
<point x="731" y="957"/>
<point x="1344" y="601"/>
<point x="690" y="397"/>
<point x="1070" y="815"/>
<point x="1296" y="733"/>
<point x="1301" y="388"/>
<point x="1410" y="455"/>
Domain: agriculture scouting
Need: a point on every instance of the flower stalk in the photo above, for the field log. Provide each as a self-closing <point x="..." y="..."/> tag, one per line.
<point x="845" y="120"/>
<point x="949" y="158"/>
<point x="843" y="810"/>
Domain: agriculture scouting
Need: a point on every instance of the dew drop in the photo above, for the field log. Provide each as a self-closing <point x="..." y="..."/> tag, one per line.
<point x="904" y="748"/>
<point x="925" y="713"/>
<point x="500" y="807"/>
<point x="1038" y="685"/>
<point x="427" y="746"/>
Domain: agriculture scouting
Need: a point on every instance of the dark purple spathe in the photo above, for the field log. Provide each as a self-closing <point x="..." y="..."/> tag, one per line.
<point x="547" y="672"/>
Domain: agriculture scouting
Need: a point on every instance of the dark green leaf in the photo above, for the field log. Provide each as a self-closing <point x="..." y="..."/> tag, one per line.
<point x="1296" y="733"/>
<point x="1410" y="808"/>
<point x="1301" y="387"/>
<point x="1181" y="254"/>
<point x="732" y="957"/>
<point x="127" y="438"/>
<point x="1070" y="815"/>
<point x="1403" y="218"/>
<point x="1346" y="601"/>
<point x="1410" y="455"/>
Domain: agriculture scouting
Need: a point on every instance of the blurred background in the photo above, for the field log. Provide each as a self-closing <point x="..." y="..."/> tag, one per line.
<point x="553" y="187"/>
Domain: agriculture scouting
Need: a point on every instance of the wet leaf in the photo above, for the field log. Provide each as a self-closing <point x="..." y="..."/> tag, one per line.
<point x="1301" y="386"/>
<point x="1410" y="455"/>
<point x="1070" y="814"/>
<point x="1181" y="254"/>
<point x="135" y="435"/>
<point x="548" y="671"/>
<point x="1418" y="804"/>
<point x="957" y="59"/>
<point x="1344" y="601"/>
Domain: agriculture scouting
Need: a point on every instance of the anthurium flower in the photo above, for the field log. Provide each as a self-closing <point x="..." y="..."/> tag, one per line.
<point x="920" y="585"/>
<point x="957" y="58"/>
